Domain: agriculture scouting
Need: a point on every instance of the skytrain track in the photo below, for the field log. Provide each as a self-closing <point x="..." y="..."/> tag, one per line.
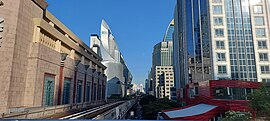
<point x="90" y="113"/>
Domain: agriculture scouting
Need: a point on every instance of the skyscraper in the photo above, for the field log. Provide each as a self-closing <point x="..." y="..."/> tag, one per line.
<point x="221" y="39"/>
<point x="119" y="76"/>
<point x="162" y="61"/>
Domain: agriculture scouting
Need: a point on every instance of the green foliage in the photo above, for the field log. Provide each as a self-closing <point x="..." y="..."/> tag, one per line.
<point x="151" y="106"/>
<point x="237" y="116"/>
<point x="147" y="99"/>
<point x="260" y="101"/>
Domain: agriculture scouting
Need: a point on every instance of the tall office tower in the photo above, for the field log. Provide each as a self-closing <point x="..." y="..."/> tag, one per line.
<point x="118" y="75"/>
<point x="162" y="56"/>
<point x="221" y="39"/>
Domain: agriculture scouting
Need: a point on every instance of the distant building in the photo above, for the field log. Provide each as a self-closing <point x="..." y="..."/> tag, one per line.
<point x="118" y="75"/>
<point x="146" y="86"/>
<point x="161" y="73"/>
<point x="164" y="81"/>
<point x="42" y="63"/>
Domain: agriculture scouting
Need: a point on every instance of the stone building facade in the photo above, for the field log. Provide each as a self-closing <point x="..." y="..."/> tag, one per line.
<point x="42" y="63"/>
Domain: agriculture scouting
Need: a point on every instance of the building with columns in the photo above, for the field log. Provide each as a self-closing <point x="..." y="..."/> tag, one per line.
<point x="119" y="77"/>
<point x="42" y="62"/>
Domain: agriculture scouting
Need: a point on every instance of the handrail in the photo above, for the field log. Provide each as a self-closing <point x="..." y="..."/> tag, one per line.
<point x="41" y="112"/>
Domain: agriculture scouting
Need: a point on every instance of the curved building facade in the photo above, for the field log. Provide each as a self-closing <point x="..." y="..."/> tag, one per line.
<point x="119" y="76"/>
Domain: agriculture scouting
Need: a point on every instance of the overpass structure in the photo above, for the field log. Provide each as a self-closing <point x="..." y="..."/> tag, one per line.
<point x="113" y="109"/>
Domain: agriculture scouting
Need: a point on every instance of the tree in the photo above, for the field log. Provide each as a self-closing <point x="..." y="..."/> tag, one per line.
<point x="151" y="106"/>
<point x="237" y="116"/>
<point x="260" y="101"/>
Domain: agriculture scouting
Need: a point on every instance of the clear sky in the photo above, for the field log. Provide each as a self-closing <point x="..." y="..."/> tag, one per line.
<point x="137" y="25"/>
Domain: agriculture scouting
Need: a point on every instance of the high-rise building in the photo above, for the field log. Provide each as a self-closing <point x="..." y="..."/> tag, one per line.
<point x="221" y="39"/>
<point x="162" y="62"/>
<point x="164" y="81"/>
<point x="118" y="75"/>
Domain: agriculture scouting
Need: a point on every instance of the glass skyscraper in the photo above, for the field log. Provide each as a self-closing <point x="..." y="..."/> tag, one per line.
<point x="221" y="39"/>
<point x="162" y="61"/>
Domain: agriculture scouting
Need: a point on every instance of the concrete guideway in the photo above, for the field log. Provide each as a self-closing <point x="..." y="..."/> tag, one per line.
<point x="92" y="112"/>
<point x="118" y="112"/>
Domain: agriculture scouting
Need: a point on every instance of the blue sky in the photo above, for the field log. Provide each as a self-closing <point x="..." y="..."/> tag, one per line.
<point x="137" y="25"/>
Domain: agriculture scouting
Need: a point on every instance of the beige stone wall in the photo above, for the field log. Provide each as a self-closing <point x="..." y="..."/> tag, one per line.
<point x="31" y="48"/>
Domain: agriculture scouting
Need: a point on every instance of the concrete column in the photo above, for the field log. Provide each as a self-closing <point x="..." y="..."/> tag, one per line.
<point x="72" y="54"/>
<point x="58" y="46"/>
<point x="59" y="99"/>
<point x="74" y="86"/>
<point x="36" y="37"/>
<point x="92" y="89"/>
<point x="84" y="87"/>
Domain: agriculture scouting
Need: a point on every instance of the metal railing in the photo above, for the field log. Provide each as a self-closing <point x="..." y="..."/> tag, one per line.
<point x="43" y="112"/>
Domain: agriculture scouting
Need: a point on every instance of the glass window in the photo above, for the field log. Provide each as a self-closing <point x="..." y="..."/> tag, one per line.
<point x="260" y="32"/>
<point x="217" y="9"/>
<point x="220" y="44"/>
<point x="222" y="69"/>
<point x="219" y="32"/>
<point x="67" y="90"/>
<point x="258" y="9"/>
<point x="217" y="1"/>
<point x="79" y="91"/>
<point x="218" y="21"/>
<point x="259" y="21"/>
<point x="48" y="90"/>
<point x="263" y="56"/>
<point x="266" y="80"/>
<point x="262" y="44"/>
<point x="221" y="57"/>
<point x="265" y="69"/>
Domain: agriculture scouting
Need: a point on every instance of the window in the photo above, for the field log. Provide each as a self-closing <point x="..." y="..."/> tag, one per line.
<point x="67" y="90"/>
<point x="220" y="44"/>
<point x="79" y="91"/>
<point x="219" y="32"/>
<point x="222" y="69"/>
<point x="217" y="1"/>
<point x="48" y="90"/>
<point x="263" y="56"/>
<point x="266" y="80"/>
<point x="221" y="57"/>
<point x="218" y="21"/>
<point x="257" y="9"/>
<point x="265" y="69"/>
<point x="259" y="21"/>
<point x="262" y="44"/>
<point x="260" y="32"/>
<point x="217" y="9"/>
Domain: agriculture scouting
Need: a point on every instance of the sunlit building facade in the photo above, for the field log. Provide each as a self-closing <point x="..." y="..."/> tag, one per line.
<point x="221" y="40"/>
<point x="42" y="62"/>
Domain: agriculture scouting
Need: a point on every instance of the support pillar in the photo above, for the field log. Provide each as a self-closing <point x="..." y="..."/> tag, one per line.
<point x="74" y="86"/>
